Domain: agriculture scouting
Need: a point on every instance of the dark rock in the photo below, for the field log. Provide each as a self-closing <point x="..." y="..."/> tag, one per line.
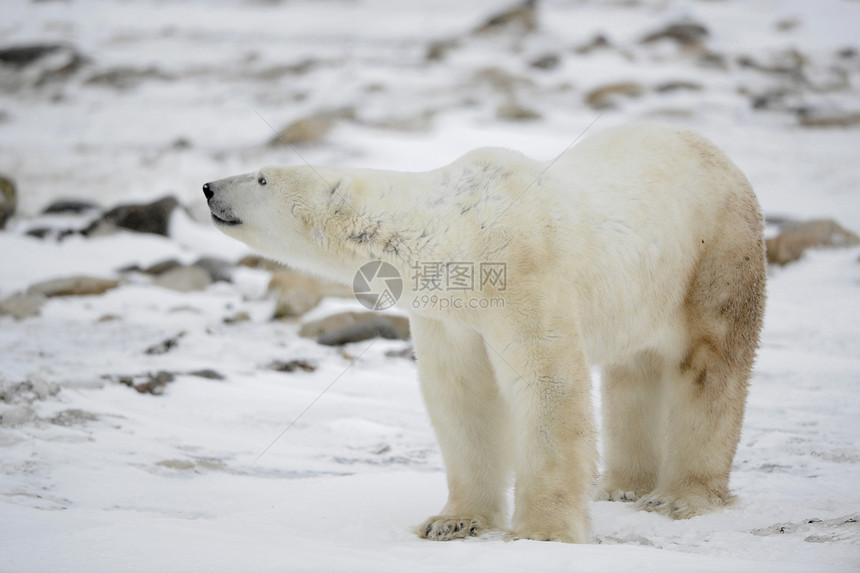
<point x="22" y="305"/>
<point x="675" y="86"/>
<point x="142" y="218"/>
<point x="181" y="143"/>
<point x="297" y="292"/>
<point x="546" y="62"/>
<point x="160" y="267"/>
<point x="40" y="232"/>
<point x="305" y="131"/>
<point x="299" y="68"/>
<point x="55" y="61"/>
<point x="808" y="117"/>
<point x="73" y="286"/>
<point x="207" y="373"/>
<point x="174" y="275"/>
<point x="334" y="322"/>
<point x="292" y="365"/>
<point x="17" y="416"/>
<point x="45" y="233"/>
<point x="130" y="268"/>
<point x="788" y="63"/>
<point x="519" y="19"/>
<point x="218" y="269"/>
<point x="150" y="383"/>
<point x="8" y="200"/>
<point x="787" y="24"/>
<point x="27" y="391"/>
<point x="712" y="60"/>
<point x="198" y="465"/>
<point x="599" y="42"/>
<point x="795" y="238"/>
<point x="258" y="262"/>
<point x="165" y="345"/>
<point x="798" y="72"/>
<point x="126" y="77"/>
<point x="74" y="206"/>
<point x="73" y="417"/>
<point x="772" y="99"/>
<point x="686" y="34"/>
<point x="377" y="326"/>
<point x="605" y="97"/>
<point x="23" y="56"/>
<point x="317" y="327"/>
<point x="512" y="111"/>
<point x="778" y="220"/>
<point x="439" y="49"/>
<point x="109" y="318"/>
<point x="313" y="129"/>
<point x="184" y="279"/>
<point x="180" y="465"/>
<point x="241" y="316"/>
<point x="500" y="80"/>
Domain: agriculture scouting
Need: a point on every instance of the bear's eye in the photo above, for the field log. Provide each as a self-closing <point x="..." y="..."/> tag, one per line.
<point x="261" y="180"/>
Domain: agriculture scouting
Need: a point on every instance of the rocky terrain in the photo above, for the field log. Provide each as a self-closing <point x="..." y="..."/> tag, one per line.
<point x="159" y="381"/>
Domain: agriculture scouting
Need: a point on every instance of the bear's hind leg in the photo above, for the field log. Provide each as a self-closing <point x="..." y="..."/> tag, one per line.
<point x="704" y="407"/>
<point x="706" y="391"/>
<point x="631" y="428"/>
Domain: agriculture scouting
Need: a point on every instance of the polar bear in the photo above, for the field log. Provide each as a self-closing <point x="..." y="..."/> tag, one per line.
<point x="640" y="250"/>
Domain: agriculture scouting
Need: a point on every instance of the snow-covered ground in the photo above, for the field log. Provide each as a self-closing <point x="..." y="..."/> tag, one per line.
<point x="211" y="475"/>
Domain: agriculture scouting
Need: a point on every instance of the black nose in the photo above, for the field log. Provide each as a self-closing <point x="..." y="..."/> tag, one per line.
<point x="207" y="191"/>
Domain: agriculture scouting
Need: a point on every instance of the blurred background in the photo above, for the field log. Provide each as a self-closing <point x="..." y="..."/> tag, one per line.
<point x="147" y="361"/>
<point x="110" y="101"/>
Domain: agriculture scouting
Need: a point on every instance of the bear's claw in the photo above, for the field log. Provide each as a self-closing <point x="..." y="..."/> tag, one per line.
<point x="683" y="506"/>
<point x="445" y="528"/>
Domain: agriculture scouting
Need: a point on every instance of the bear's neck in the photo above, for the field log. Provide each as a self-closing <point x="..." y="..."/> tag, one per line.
<point x="458" y="213"/>
<point x="391" y="216"/>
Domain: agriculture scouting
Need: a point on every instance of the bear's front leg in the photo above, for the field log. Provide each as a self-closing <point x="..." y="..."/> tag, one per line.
<point x="471" y="423"/>
<point x="544" y="378"/>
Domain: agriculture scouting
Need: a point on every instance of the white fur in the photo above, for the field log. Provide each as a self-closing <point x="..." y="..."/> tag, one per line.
<point x="601" y="248"/>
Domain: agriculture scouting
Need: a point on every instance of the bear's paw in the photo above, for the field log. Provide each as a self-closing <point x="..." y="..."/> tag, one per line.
<point x="615" y="495"/>
<point x="447" y="527"/>
<point x="683" y="506"/>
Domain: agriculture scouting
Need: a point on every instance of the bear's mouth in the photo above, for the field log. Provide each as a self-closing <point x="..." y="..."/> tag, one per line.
<point x="228" y="222"/>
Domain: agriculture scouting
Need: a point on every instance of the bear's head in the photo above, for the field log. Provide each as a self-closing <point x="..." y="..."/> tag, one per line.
<point x="312" y="218"/>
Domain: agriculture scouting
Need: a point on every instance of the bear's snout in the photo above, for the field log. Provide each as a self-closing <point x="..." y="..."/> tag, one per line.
<point x="222" y="212"/>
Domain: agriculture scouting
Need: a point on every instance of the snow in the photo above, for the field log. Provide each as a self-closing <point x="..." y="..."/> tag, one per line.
<point x="328" y="470"/>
